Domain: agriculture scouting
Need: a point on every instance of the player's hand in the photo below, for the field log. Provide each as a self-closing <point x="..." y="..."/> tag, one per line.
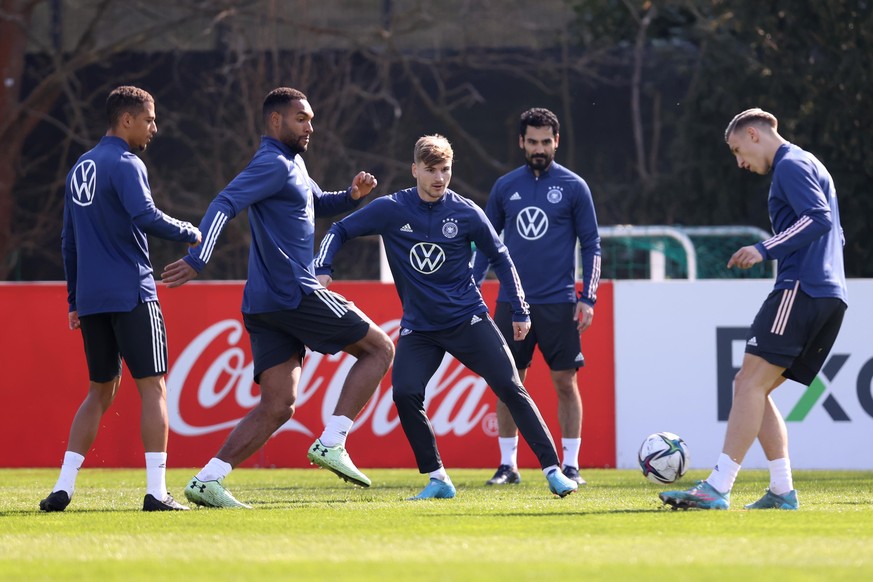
<point x="520" y="329"/>
<point x="745" y="258"/>
<point x="584" y="316"/>
<point x="199" y="238"/>
<point x="362" y="185"/>
<point x="325" y="280"/>
<point x="73" y="318"/>
<point x="178" y="273"/>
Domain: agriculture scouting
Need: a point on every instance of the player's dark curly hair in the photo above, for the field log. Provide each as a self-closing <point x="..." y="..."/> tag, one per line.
<point x="126" y="99"/>
<point x="279" y="98"/>
<point x="538" y="117"/>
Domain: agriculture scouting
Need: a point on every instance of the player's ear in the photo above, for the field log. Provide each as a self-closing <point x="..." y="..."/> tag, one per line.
<point x="415" y="171"/>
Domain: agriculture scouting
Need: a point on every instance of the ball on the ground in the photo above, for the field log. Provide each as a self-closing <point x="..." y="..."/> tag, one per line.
<point x="663" y="457"/>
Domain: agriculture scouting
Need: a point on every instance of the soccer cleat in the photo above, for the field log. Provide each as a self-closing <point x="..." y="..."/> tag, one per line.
<point x="336" y="459"/>
<point x="436" y="489"/>
<point x="701" y="496"/>
<point x="151" y="503"/>
<point x="559" y="484"/>
<point x="771" y="500"/>
<point x="572" y="473"/>
<point x="212" y="494"/>
<point x="505" y="475"/>
<point x="56" y="501"/>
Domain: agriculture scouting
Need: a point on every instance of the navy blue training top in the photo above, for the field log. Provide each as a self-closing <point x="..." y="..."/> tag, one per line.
<point x="429" y="252"/>
<point x="108" y="210"/>
<point x="805" y="216"/>
<point x="541" y="219"/>
<point x="283" y="202"/>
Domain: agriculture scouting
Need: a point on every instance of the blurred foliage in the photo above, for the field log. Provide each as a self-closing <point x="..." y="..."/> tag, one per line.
<point x="810" y="63"/>
<point x="644" y="91"/>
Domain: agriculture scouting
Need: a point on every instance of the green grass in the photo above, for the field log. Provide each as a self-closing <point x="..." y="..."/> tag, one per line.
<point x="309" y="525"/>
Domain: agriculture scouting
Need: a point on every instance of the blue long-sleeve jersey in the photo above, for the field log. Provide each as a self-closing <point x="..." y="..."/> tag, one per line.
<point x="108" y="210"/>
<point x="283" y="202"/>
<point x="429" y="252"/>
<point x="541" y="219"/>
<point x="805" y="216"/>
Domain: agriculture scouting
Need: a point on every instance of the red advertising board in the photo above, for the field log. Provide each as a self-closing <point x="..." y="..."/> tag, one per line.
<point x="210" y="387"/>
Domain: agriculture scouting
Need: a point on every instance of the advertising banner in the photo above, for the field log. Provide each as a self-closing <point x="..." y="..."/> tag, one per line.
<point x="679" y="345"/>
<point x="210" y="387"/>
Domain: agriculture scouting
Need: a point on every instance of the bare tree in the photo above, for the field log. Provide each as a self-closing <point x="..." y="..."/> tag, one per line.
<point x="28" y="98"/>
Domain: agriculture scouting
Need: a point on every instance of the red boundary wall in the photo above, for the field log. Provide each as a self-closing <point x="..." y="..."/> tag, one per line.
<point x="210" y="387"/>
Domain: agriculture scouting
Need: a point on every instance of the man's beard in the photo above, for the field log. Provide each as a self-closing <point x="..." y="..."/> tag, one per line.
<point x="539" y="162"/>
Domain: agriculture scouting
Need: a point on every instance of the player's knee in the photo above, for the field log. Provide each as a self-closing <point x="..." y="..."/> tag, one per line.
<point x="406" y="398"/>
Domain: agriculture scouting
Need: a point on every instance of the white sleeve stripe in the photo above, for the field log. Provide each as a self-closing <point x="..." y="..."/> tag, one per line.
<point x="792" y="231"/>
<point x="212" y="236"/>
<point x="322" y="251"/>
<point x="595" y="278"/>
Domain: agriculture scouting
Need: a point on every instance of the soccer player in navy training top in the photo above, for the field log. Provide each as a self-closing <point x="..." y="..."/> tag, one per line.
<point x="797" y="325"/>
<point x="108" y="211"/>
<point x="285" y="308"/>
<point x="543" y="208"/>
<point x="428" y="231"/>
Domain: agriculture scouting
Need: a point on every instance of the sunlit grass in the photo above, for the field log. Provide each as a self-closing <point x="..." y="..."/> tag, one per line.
<point x="307" y="524"/>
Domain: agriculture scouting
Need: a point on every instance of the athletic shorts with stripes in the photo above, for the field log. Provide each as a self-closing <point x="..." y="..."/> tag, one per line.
<point x="325" y="322"/>
<point x="795" y="331"/>
<point x="137" y="336"/>
<point x="552" y="327"/>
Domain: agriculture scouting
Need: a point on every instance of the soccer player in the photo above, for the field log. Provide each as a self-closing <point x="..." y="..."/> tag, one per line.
<point x="796" y="327"/>
<point x="108" y="211"/>
<point x="543" y="208"/>
<point x="428" y="231"/>
<point x="285" y="308"/>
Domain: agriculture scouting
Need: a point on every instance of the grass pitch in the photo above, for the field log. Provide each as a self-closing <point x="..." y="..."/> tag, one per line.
<point x="309" y="525"/>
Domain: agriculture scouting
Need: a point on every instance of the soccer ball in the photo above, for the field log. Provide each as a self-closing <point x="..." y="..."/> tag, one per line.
<point x="663" y="457"/>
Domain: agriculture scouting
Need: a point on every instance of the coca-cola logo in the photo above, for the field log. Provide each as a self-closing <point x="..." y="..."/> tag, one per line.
<point x="210" y="387"/>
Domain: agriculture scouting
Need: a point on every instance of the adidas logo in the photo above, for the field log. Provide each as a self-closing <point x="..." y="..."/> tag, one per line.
<point x="406" y="228"/>
<point x="476" y="319"/>
<point x="752" y="342"/>
<point x="580" y="357"/>
<point x="515" y="197"/>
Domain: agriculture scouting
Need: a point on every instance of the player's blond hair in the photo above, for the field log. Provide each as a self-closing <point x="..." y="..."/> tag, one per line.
<point x="433" y="149"/>
<point x="754" y="116"/>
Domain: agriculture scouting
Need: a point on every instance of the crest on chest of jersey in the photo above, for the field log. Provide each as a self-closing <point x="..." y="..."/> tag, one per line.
<point x="555" y="194"/>
<point x="83" y="183"/>
<point x="426" y="257"/>
<point x="450" y="228"/>
<point x="532" y="223"/>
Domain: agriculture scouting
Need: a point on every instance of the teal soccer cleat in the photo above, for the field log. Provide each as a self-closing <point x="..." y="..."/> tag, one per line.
<point x="701" y="496"/>
<point x="436" y="489"/>
<point x="771" y="500"/>
<point x="337" y="460"/>
<point x="559" y="484"/>
<point x="212" y="494"/>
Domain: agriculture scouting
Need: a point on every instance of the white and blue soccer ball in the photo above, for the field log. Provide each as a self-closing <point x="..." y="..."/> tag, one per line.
<point x="663" y="458"/>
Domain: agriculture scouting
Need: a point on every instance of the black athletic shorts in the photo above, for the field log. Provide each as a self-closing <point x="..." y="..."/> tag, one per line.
<point x="138" y="336"/>
<point x="552" y="327"/>
<point x="324" y="322"/>
<point x="796" y="332"/>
